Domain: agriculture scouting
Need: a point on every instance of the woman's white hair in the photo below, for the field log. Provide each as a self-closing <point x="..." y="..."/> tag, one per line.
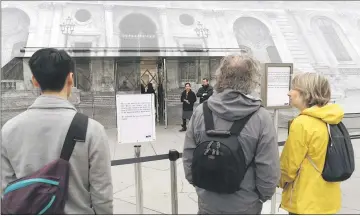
<point x="314" y="88"/>
<point x="238" y="72"/>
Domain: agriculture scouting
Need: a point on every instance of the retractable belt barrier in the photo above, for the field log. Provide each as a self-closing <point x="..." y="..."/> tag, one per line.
<point x="173" y="156"/>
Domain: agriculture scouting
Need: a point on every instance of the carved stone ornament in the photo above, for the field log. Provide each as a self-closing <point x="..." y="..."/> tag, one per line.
<point x="46" y="5"/>
<point x="108" y="7"/>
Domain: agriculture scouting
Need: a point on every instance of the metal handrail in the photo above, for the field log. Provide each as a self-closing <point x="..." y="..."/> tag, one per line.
<point x="166" y="156"/>
<point x="172" y="156"/>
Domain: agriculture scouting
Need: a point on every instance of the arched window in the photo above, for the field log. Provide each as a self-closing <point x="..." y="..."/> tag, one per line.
<point x="138" y="31"/>
<point x="15" y="31"/>
<point x="329" y="31"/>
<point x="273" y="54"/>
<point x="254" y="38"/>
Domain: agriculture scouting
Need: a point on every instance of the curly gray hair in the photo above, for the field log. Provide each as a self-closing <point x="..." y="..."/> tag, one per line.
<point x="238" y="72"/>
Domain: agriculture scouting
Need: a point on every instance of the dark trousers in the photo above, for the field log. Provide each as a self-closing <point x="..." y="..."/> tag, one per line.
<point x="183" y="123"/>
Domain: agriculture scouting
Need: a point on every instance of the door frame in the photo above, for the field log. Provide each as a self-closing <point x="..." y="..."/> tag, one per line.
<point x="165" y="81"/>
<point x="160" y="75"/>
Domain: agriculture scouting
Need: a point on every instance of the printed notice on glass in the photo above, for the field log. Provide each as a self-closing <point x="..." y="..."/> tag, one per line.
<point x="278" y="86"/>
<point x="135" y="118"/>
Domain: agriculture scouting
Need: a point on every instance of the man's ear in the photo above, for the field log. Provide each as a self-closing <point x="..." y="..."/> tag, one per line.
<point x="70" y="79"/>
<point x="35" y="82"/>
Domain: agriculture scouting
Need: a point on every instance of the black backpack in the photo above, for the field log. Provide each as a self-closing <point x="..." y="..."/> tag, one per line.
<point x="219" y="163"/>
<point x="339" y="161"/>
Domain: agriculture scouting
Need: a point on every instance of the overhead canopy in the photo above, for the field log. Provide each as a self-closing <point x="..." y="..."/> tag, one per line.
<point x="131" y="52"/>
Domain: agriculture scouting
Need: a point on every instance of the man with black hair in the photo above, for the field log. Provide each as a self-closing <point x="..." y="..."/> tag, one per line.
<point x="35" y="138"/>
<point x="205" y="91"/>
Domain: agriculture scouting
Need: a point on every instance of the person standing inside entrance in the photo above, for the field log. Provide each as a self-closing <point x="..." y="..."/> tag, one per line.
<point x="205" y="91"/>
<point x="188" y="98"/>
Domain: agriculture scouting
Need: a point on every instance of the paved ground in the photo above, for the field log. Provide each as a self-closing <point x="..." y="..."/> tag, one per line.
<point x="156" y="178"/>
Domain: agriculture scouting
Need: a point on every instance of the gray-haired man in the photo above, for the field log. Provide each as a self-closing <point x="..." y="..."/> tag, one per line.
<point x="236" y="79"/>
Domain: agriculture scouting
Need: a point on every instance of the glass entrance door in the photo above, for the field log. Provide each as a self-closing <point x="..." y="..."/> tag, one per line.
<point x="127" y="79"/>
<point x="142" y="76"/>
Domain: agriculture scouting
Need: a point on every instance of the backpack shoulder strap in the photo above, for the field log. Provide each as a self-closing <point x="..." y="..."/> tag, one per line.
<point x="76" y="133"/>
<point x="208" y="118"/>
<point x="239" y="125"/>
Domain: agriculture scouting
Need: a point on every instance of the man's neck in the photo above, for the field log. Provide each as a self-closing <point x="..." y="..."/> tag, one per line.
<point x="57" y="94"/>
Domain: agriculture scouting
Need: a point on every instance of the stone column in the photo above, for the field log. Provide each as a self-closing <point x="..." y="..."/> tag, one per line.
<point x="56" y="30"/>
<point x="166" y="39"/>
<point x="204" y="69"/>
<point x="96" y="73"/>
<point x="211" y="24"/>
<point x="281" y="45"/>
<point x="32" y="39"/>
<point x="109" y="25"/>
<point x="218" y="31"/>
<point x="229" y="40"/>
<point x="45" y="9"/>
<point x="108" y="77"/>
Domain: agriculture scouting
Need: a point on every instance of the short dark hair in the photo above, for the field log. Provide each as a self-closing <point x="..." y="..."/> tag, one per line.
<point x="187" y="84"/>
<point x="206" y="79"/>
<point x="50" y="68"/>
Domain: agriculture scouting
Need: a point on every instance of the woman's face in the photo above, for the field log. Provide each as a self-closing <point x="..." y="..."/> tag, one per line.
<point x="296" y="100"/>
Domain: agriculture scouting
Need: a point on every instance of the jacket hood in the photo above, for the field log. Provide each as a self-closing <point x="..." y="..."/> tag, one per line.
<point x="330" y="113"/>
<point x="232" y="105"/>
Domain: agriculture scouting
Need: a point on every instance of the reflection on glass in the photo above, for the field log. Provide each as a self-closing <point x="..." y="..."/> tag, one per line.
<point x="181" y="71"/>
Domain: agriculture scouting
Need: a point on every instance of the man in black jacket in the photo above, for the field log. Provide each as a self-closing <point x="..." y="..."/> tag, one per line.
<point x="205" y="91"/>
<point x="188" y="98"/>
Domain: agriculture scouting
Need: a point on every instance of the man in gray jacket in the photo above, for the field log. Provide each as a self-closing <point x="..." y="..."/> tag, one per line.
<point x="35" y="138"/>
<point x="237" y="77"/>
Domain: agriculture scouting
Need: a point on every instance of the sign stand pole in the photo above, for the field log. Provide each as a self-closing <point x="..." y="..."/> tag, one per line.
<point x="274" y="89"/>
<point x="138" y="183"/>
<point x="276" y="125"/>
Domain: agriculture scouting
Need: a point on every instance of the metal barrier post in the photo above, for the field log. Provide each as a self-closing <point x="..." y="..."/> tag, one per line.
<point x="273" y="198"/>
<point x="138" y="182"/>
<point x="173" y="156"/>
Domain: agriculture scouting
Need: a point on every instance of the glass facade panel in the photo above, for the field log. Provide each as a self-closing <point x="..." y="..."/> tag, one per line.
<point x="127" y="75"/>
<point x="182" y="70"/>
<point x="83" y="74"/>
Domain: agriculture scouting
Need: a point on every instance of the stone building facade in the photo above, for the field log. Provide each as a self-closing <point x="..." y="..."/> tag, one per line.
<point x="320" y="37"/>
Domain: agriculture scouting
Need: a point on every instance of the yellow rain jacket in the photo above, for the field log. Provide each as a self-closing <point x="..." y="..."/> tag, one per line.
<point x="304" y="189"/>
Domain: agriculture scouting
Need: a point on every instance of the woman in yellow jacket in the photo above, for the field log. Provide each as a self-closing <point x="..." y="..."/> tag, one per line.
<point x="304" y="189"/>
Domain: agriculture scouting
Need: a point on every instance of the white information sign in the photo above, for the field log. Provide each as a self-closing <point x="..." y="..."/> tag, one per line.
<point x="135" y="118"/>
<point x="278" y="78"/>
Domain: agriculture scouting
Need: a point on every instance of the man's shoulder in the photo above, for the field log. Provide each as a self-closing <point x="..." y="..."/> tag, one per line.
<point x="198" y="110"/>
<point x="94" y="126"/>
<point x="13" y="123"/>
<point x="263" y="112"/>
<point x="264" y="116"/>
<point x="95" y="130"/>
